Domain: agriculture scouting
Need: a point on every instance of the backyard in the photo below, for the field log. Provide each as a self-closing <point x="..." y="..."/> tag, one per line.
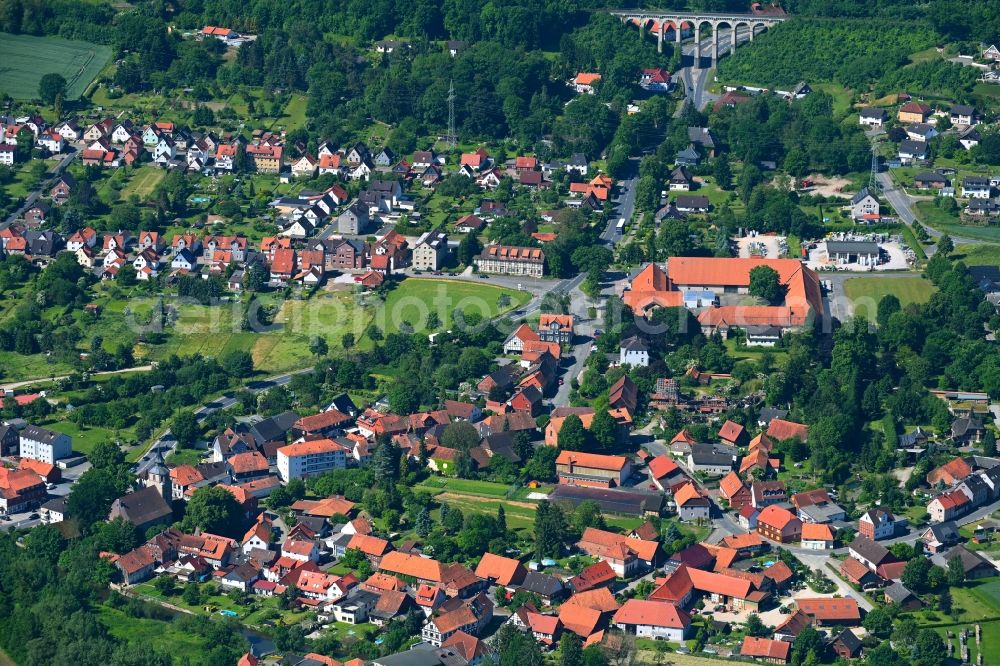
<point x="973" y="603"/>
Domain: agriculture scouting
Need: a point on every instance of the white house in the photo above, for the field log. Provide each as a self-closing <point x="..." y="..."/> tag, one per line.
<point x="873" y="117"/>
<point x="634" y="352"/>
<point x="45" y="445"/>
<point x="303" y="459"/>
<point x="184" y="259"/>
<point x="653" y="619"/>
<point x="7" y="153"/>
<point x="817" y="536"/>
<point x="976" y="187"/>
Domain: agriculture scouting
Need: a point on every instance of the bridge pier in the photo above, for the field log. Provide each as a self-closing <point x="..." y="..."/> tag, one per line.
<point x="659" y="39"/>
<point x="677" y="33"/>
<point x="697" y="46"/>
<point x="715" y="44"/>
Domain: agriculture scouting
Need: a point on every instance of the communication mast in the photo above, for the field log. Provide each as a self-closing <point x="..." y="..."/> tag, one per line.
<point x="452" y="138"/>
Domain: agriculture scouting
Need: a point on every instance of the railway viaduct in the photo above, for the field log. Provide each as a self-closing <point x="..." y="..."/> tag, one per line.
<point x="659" y="22"/>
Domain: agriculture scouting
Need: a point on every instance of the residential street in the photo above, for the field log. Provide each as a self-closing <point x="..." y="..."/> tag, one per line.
<point x="43" y="186"/>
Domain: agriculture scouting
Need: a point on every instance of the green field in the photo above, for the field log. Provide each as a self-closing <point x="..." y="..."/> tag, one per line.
<point x="156" y="633"/>
<point x="26" y="59"/>
<point x="414" y="299"/>
<point x="143" y="181"/>
<point x="934" y="217"/>
<point x="468" y="486"/>
<point x="978" y="255"/>
<point x="907" y="290"/>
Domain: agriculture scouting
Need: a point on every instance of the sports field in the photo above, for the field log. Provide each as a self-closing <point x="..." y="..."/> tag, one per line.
<point x="25" y="59"/>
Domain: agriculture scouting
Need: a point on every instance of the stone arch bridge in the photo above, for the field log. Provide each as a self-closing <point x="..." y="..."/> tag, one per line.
<point x="660" y="22"/>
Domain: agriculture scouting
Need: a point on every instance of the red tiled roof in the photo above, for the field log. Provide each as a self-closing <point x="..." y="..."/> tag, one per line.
<point x="765" y="648"/>
<point x="662" y="466"/>
<point x="815" y="532"/>
<point x="730" y="485"/>
<point x="411" y="565"/>
<point x="717" y="583"/>
<point x="321" y="421"/>
<point x="580" y="619"/>
<point x="731" y="431"/>
<point x="776" y="517"/>
<point x="592" y="460"/>
<point x="779" y="429"/>
<point x="652" y="613"/>
<point x="503" y="570"/>
<point x="830" y="609"/>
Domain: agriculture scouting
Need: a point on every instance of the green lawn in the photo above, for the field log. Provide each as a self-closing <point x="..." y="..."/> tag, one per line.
<point x="143" y="181"/>
<point x="907" y="290"/>
<point x="414" y="299"/>
<point x="185" y="457"/>
<point x="26" y="59"/>
<point x="161" y="635"/>
<point x="933" y="216"/>
<point x="978" y="255"/>
<point x="87" y="437"/>
<point x="466" y="486"/>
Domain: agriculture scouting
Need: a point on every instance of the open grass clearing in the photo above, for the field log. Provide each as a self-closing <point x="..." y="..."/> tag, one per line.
<point x="26" y="59"/>
<point x="161" y="635"/>
<point x="143" y="181"/>
<point x="978" y="255"/>
<point x="414" y="299"/>
<point x="947" y="223"/>
<point x="87" y="437"/>
<point x="465" y="486"/>
<point x="907" y="290"/>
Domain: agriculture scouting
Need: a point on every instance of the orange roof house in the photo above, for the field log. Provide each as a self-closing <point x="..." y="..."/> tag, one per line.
<point x="414" y="566"/>
<point x="586" y="78"/>
<point x="325" y="508"/>
<point x="817" y="532"/>
<point x="733" y="433"/>
<point x="826" y="611"/>
<point x="639" y="612"/>
<point x="780" y="429"/>
<point x="599" y="186"/>
<point x="555" y="424"/>
<point x="600" y="599"/>
<point x="733" y="490"/>
<point x="779" y="524"/>
<point x="504" y="571"/>
<point x="803" y="297"/>
<point x="579" y="619"/>
<point x="374" y="548"/>
<point x="651" y="289"/>
<point x="592" y="469"/>
<point x="950" y="473"/>
<point x="770" y="650"/>
<point x="675" y="589"/>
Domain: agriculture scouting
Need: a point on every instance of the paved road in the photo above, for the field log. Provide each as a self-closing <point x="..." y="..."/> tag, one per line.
<point x="43" y="187"/>
<point x="902" y="203"/>
<point x="16" y="385"/>
<point x="166" y="443"/>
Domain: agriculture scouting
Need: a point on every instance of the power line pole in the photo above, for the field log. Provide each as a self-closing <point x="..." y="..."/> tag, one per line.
<point x="873" y="184"/>
<point x="452" y="138"/>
